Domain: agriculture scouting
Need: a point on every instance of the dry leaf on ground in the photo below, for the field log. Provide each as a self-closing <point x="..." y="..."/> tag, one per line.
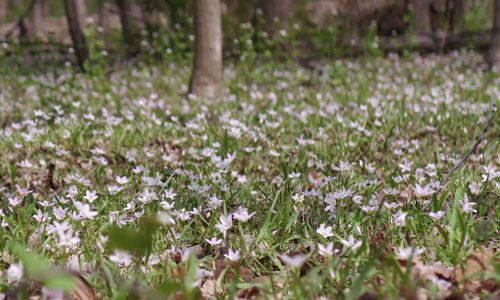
<point x="477" y="265"/>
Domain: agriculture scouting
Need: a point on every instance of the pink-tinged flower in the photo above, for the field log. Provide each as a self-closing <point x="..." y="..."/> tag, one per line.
<point x="232" y="255"/>
<point x="52" y="294"/>
<point x="121" y="257"/>
<point x="121" y="180"/>
<point x="406" y="166"/>
<point x="294" y="261"/>
<point x="23" y="191"/>
<point x="90" y="196"/>
<point x="84" y="210"/>
<point x="406" y="253"/>
<point x="225" y="224"/>
<point x="15" y="273"/>
<point x="467" y="206"/>
<point x="14" y="201"/>
<point x="214" y="241"/>
<point x="242" y="214"/>
<point x="351" y="243"/>
<point x="400" y="218"/>
<point x="436" y="215"/>
<point x="424" y="191"/>
<point x="325" y="250"/>
<point x="475" y="187"/>
<point x="169" y="194"/>
<point x="324" y="231"/>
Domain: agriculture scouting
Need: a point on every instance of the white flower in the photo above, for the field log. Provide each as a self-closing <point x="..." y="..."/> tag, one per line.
<point x="406" y="253"/>
<point x="406" y="166"/>
<point x="122" y="180"/>
<point x="242" y="179"/>
<point x="242" y="214"/>
<point x="121" y="257"/>
<point x="467" y="206"/>
<point x="90" y="196"/>
<point x="84" y="210"/>
<point x="295" y="261"/>
<point x="169" y="194"/>
<point x="324" y="231"/>
<point x="15" y="273"/>
<point x="213" y="241"/>
<point x="165" y="218"/>
<point x="400" y="218"/>
<point x="351" y="243"/>
<point x="147" y="196"/>
<point x="232" y="255"/>
<point x="475" y="188"/>
<point x="14" y="201"/>
<point x="274" y="153"/>
<point x="326" y="250"/>
<point x="436" y="215"/>
<point x="423" y="191"/>
<point x="225" y="224"/>
<point x="51" y="294"/>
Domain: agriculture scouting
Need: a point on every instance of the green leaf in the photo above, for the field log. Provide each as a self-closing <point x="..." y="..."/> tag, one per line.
<point x="61" y="281"/>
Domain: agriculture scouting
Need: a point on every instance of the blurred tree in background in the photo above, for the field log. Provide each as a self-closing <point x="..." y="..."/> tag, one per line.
<point x="289" y="30"/>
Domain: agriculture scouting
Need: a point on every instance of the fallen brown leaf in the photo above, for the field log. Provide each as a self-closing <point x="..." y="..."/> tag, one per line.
<point x="220" y="265"/>
<point x="82" y="290"/>
<point x="249" y="293"/>
<point x="477" y="265"/>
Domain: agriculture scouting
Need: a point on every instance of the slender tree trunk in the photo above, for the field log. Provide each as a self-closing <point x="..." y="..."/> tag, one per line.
<point x="207" y="65"/>
<point x="105" y="13"/>
<point x="421" y="16"/>
<point x="81" y="8"/>
<point x="276" y="13"/>
<point x="38" y="17"/>
<point x="493" y="54"/>
<point x="45" y="8"/>
<point x="150" y="18"/>
<point x="458" y="10"/>
<point x="3" y="11"/>
<point x="130" y="18"/>
<point x="79" y="40"/>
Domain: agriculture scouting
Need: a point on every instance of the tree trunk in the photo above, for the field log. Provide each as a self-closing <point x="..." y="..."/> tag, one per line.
<point x="276" y="13"/>
<point x="3" y="11"/>
<point x="130" y="18"/>
<point x="79" y="40"/>
<point x="421" y="16"/>
<point x="38" y="17"/>
<point x="493" y="54"/>
<point x="81" y="8"/>
<point x="105" y="13"/>
<point x="458" y="12"/>
<point x="207" y="66"/>
<point x="45" y="8"/>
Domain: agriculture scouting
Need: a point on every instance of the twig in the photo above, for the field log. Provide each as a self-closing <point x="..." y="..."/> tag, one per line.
<point x="24" y="15"/>
<point x="466" y="156"/>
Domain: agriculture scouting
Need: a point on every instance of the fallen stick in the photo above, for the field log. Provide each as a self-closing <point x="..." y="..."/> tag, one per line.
<point x="464" y="158"/>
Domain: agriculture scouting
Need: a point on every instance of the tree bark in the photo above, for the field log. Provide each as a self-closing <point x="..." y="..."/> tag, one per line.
<point x="458" y="11"/>
<point x="79" y="40"/>
<point x="276" y="14"/>
<point x="38" y="17"/>
<point x="81" y="8"/>
<point x="421" y="16"/>
<point x="207" y="65"/>
<point x="3" y="11"/>
<point x="493" y="54"/>
<point x="45" y="8"/>
<point x="130" y="18"/>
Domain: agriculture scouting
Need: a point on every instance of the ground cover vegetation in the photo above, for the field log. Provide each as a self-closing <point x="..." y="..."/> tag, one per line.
<point x="375" y="176"/>
<point x="298" y="183"/>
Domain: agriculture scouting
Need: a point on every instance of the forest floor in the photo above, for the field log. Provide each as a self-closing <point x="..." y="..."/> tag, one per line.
<point x="292" y="184"/>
